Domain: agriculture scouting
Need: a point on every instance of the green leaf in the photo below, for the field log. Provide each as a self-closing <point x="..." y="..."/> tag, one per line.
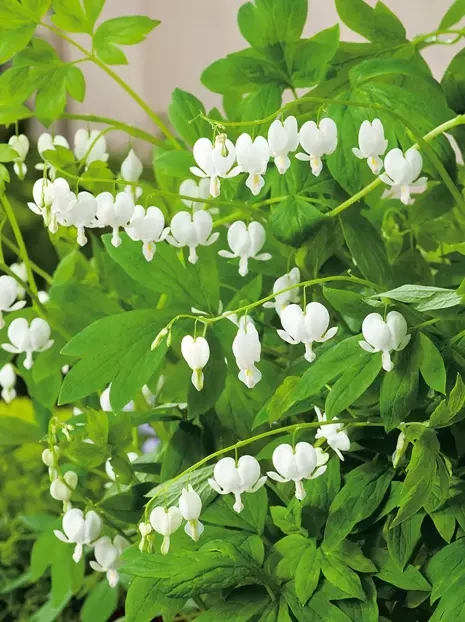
<point x="376" y="24"/>
<point x="93" y="8"/>
<point x="367" y="247"/>
<point x="282" y="399"/>
<point x="97" y="427"/>
<point x="420" y="476"/>
<point x="359" y="611"/>
<point x="144" y="601"/>
<point x="51" y="97"/>
<point x="37" y="8"/>
<point x="374" y="68"/>
<point x="294" y="220"/>
<point x="183" y="450"/>
<point x="199" y="402"/>
<point x="432" y="365"/>
<point x="453" y="14"/>
<point x="126" y="507"/>
<point x="445" y="412"/>
<point x="192" y="285"/>
<point x="358" y="499"/>
<point x="348" y="303"/>
<point x="399" y="388"/>
<point x="351" y="554"/>
<point x="307" y="572"/>
<point x="14" y="39"/>
<point x="352" y="384"/>
<point x="339" y="574"/>
<point x="260" y="105"/>
<point x="168" y="493"/>
<point x="424" y="298"/>
<point x="402" y="539"/>
<point x="408" y="579"/>
<point x="243" y="605"/>
<point x="264" y="23"/>
<point x="75" y="83"/>
<point x="7" y="154"/>
<point x="100" y="603"/>
<point x="453" y="83"/>
<point x="70" y="15"/>
<point x="311" y="57"/>
<point x="252" y="518"/>
<point x="329" y="365"/>
<point x="16" y="431"/>
<point x="173" y="163"/>
<point x="184" y="115"/>
<point x="446" y="568"/>
<point x="121" y="31"/>
<point x="114" y="349"/>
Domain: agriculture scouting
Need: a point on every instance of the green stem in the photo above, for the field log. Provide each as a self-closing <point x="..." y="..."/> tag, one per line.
<point x="20" y="242"/>
<point x="37" y="269"/>
<point x="4" y="268"/>
<point x="150" y="113"/>
<point x="116" y="125"/>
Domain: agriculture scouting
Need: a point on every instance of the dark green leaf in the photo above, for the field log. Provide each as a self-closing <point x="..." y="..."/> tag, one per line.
<point x="432" y="365"/>
<point x="294" y="220"/>
<point x="307" y="572"/>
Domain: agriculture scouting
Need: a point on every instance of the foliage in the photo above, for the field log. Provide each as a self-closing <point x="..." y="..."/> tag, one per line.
<point x="378" y="532"/>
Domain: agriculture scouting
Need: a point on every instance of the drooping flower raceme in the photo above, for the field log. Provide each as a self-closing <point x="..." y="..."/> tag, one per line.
<point x="79" y="530"/>
<point x="28" y="338"/>
<point x="192" y="230"/>
<point x="108" y="557"/>
<point x="385" y="336"/>
<point x="306" y="328"/>
<point x="61" y="489"/>
<point x="252" y="158"/>
<point x="283" y="138"/>
<point x="90" y="146"/>
<point x="296" y="464"/>
<point x="402" y="171"/>
<point x="317" y="141"/>
<point x="245" y="242"/>
<point x="114" y="212"/>
<point x="229" y="478"/>
<point x="247" y="349"/>
<point x="81" y="213"/>
<point x="333" y="433"/>
<point x="215" y="161"/>
<point x="201" y="190"/>
<point x="281" y="301"/>
<point x="190" y="506"/>
<point x="165" y="521"/>
<point x="196" y="353"/>
<point x="148" y="227"/>
<point x="131" y="170"/>
<point x="20" y="144"/>
<point x="8" y="295"/>
<point x="8" y="382"/>
<point x="372" y="145"/>
<point x="51" y="201"/>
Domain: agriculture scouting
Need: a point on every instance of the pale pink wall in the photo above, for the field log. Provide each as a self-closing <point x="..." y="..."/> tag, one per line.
<point x="194" y="33"/>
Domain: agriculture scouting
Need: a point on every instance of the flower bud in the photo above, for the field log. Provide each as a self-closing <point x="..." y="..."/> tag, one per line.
<point x="159" y="338"/>
<point x="50" y="456"/>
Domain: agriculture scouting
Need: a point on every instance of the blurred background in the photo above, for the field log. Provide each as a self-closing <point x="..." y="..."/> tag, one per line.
<point x="193" y="34"/>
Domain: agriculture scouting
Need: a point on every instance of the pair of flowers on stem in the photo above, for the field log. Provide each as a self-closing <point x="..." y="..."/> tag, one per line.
<point x="217" y="160"/>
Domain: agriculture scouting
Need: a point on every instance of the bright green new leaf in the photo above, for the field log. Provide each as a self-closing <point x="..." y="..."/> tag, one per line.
<point x="100" y="603"/>
<point x="184" y="115"/>
<point x="453" y="14"/>
<point x="121" y="31"/>
<point x="378" y="24"/>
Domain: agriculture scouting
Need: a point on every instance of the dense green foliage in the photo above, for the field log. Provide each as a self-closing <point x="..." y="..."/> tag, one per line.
<point x="381" y="534"/>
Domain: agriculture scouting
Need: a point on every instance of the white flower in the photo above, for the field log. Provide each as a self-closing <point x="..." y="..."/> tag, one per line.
<point x="300" y="327"/>
<point x="245" y="242"/>
<point x="190" y="506"/>
<point x="214" y="161"/>
<point x="81" y="213"/>
<point x="61" y="489"/>
<point x="21" y="271"/>
<point x="8" y="295"/>
<point x="335" y="437"/>
<point x="114" y="212"/>
<point x="253" y="157"/>
<point x="90" y="146"/>
<point x="21" y="145"/>
<point x="28" y="338"/>
<point x="148" y="227"/>
<point x="297" y="464"/>
<point x="109" y="470"/>
<point x="43" y="296"/>
<point x="131" y="170"/>
<point x="247" y="349"/>
<point x="192" y="230"/>
<point x="8" y="382"/>
<point x="372" y="145"/>
<point x="236" y="479"/>
<point x="196" y="353"/>
<point x="385" y="336"/>
<point x="283" y="137"/>
<point x="108" y="557"/>
<point x="402" y="172"/>
<point x="201" y="190"/>
<point x="145" y="529"/>
<point x="79" y="530"/>
<point x="165" y="522"/>
<point x="47" y="142"/>
<point x="50" y="456"/>
<point x="292" y="296"/>
<point x="317" y="140"/>
<point x="51" y="201"/>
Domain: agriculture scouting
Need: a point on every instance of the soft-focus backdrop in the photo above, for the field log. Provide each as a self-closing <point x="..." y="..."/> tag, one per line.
<point x="194" y="33"/>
